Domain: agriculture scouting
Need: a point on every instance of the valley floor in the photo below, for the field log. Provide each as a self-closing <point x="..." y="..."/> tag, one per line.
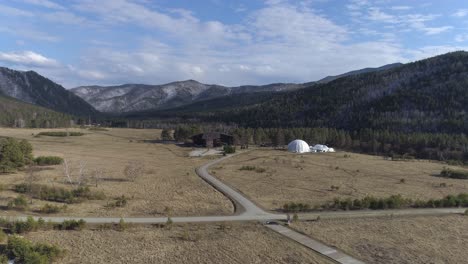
<point x="398" y="240"/>
<point x="275" y="177"/>
<point x="200" y="243"/>
<point x="167" y="185"/>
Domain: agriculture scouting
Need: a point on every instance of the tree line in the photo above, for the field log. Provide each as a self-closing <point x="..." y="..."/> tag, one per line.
<point x="398" y="145"/>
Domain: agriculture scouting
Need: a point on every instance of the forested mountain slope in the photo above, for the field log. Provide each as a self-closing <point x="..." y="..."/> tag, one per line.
<point x="33" y="88"/>
<point x="430" y="95"/>
<point x="14" y="113"/>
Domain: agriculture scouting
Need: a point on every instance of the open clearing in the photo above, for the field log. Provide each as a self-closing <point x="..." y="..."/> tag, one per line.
<point x="168" y="180"/>
<point x="440" y="239"/>
<point x="277" y="177"/>
<point x="203" y="243"/>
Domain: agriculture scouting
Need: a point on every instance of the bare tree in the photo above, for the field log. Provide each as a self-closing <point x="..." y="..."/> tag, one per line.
<point x="69" y="172"/>
<point x="30" y="179"/>
<point x="82" y="176"/>
<point x="133" y="170"/>
<point x="97" y="176"/>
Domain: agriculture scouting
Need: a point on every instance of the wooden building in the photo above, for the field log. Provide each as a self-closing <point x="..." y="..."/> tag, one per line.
<point x="212" y="139"/>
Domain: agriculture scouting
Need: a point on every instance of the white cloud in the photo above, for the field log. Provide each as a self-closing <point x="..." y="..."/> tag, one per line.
<point x="45" y="3"/>
<point x="27" y="58"/>
<point x="461" y="38"/>
<point x="64" y="17"/>
<point x="11" y="11"/>
<point x="436" y="30"/>
<point x="400" y="8"/>
<point x="461" y="13"/>
<point x="376" y="15"/>
<point x="30" y="34"/>
<point x="280" y="42"/>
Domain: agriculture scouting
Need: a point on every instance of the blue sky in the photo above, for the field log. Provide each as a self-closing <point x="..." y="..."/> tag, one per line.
<point x="84" y="42"/>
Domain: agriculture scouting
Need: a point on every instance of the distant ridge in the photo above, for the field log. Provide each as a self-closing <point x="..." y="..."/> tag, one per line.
<point x="139" y="97"/>
<point x="365" y="70"/>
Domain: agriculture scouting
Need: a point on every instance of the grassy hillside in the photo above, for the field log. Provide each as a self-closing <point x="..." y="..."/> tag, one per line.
<point x="14" y="113"/>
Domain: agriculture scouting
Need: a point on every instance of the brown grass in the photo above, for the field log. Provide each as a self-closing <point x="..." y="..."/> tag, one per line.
<point x="169" y="178"/>
<point x="238" y="243"/>
<point x="396" y="240"/>
<point x="309" y="177"/>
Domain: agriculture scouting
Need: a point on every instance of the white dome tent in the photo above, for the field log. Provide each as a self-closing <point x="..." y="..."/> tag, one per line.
<point x="320" y="148"/>
<point x="298" y="146"/>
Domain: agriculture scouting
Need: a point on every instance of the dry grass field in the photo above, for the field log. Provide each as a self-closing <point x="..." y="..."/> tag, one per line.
<point x="236" y="243"/>
<point x="436" y="240"/>
<point x="168" y="179"/>
<point x="280" y="177"/>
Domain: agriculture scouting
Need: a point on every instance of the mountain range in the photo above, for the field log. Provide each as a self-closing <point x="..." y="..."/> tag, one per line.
<point x="141" y="97"/>
<point x="430" y="95"/>
<point x="138" y="97"/>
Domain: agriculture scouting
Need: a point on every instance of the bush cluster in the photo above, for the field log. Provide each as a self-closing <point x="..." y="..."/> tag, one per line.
<point x="60" y="134"/>
<point x="19" y="203"/>
<point x="72" y="225"/>
<point x="253" y="168"/>
<point x="14" y="154"/>
<point x="31" y="225"/>
<point x="20" y="226"/>
<point x="449" y="173"/>
<point x="229" y="149"/>
<point x="52" y="209"/>
<point x="398" y="202"/>
<point x="24" y="251"/>
<point x="120" y="201"/>
<point x="48" y="160"/>
<point x="58" y="194"/>
<point x="296" y="207"/>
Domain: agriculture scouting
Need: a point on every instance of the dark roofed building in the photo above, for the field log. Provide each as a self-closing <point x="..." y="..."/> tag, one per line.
<point x="212" y="139"/>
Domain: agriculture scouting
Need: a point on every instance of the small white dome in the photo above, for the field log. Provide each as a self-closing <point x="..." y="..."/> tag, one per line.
<point x="298" y="146"/>
<point x="320" y="148"/>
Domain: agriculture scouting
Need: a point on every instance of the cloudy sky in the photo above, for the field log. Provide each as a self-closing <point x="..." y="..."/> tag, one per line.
<point x="229" y="42"/>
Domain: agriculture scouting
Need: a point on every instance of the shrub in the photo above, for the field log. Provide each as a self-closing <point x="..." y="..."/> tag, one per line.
<point x="260" y="170"/>
<point x="296" y="207"/>
<point x="248" y="168"/>
<point x="295" y="218"/>
<point x="48" y="160"/>
<point x="19" y="203"/>
<point x="60" y="134"/>
<point x="402" y="180"/>
<point x="169" y="223"/>
<point x="57" y="194"/>
<point x="121" y="226"/>
<point x="14" y="154"/>
<point x="24" y="251"/>
<point x="52" y="209"/>
<point x="72" y="225"/>
<point x="120" y="201"/>
<point x="449" y="173"/>
<point x="3" y="259"/>
<point x="229" y="149"/>
<point x="20" y="227"/>
<point x="253" y="168"/>
<point x="3" y="236"/>
<point x="397" y="202"/>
